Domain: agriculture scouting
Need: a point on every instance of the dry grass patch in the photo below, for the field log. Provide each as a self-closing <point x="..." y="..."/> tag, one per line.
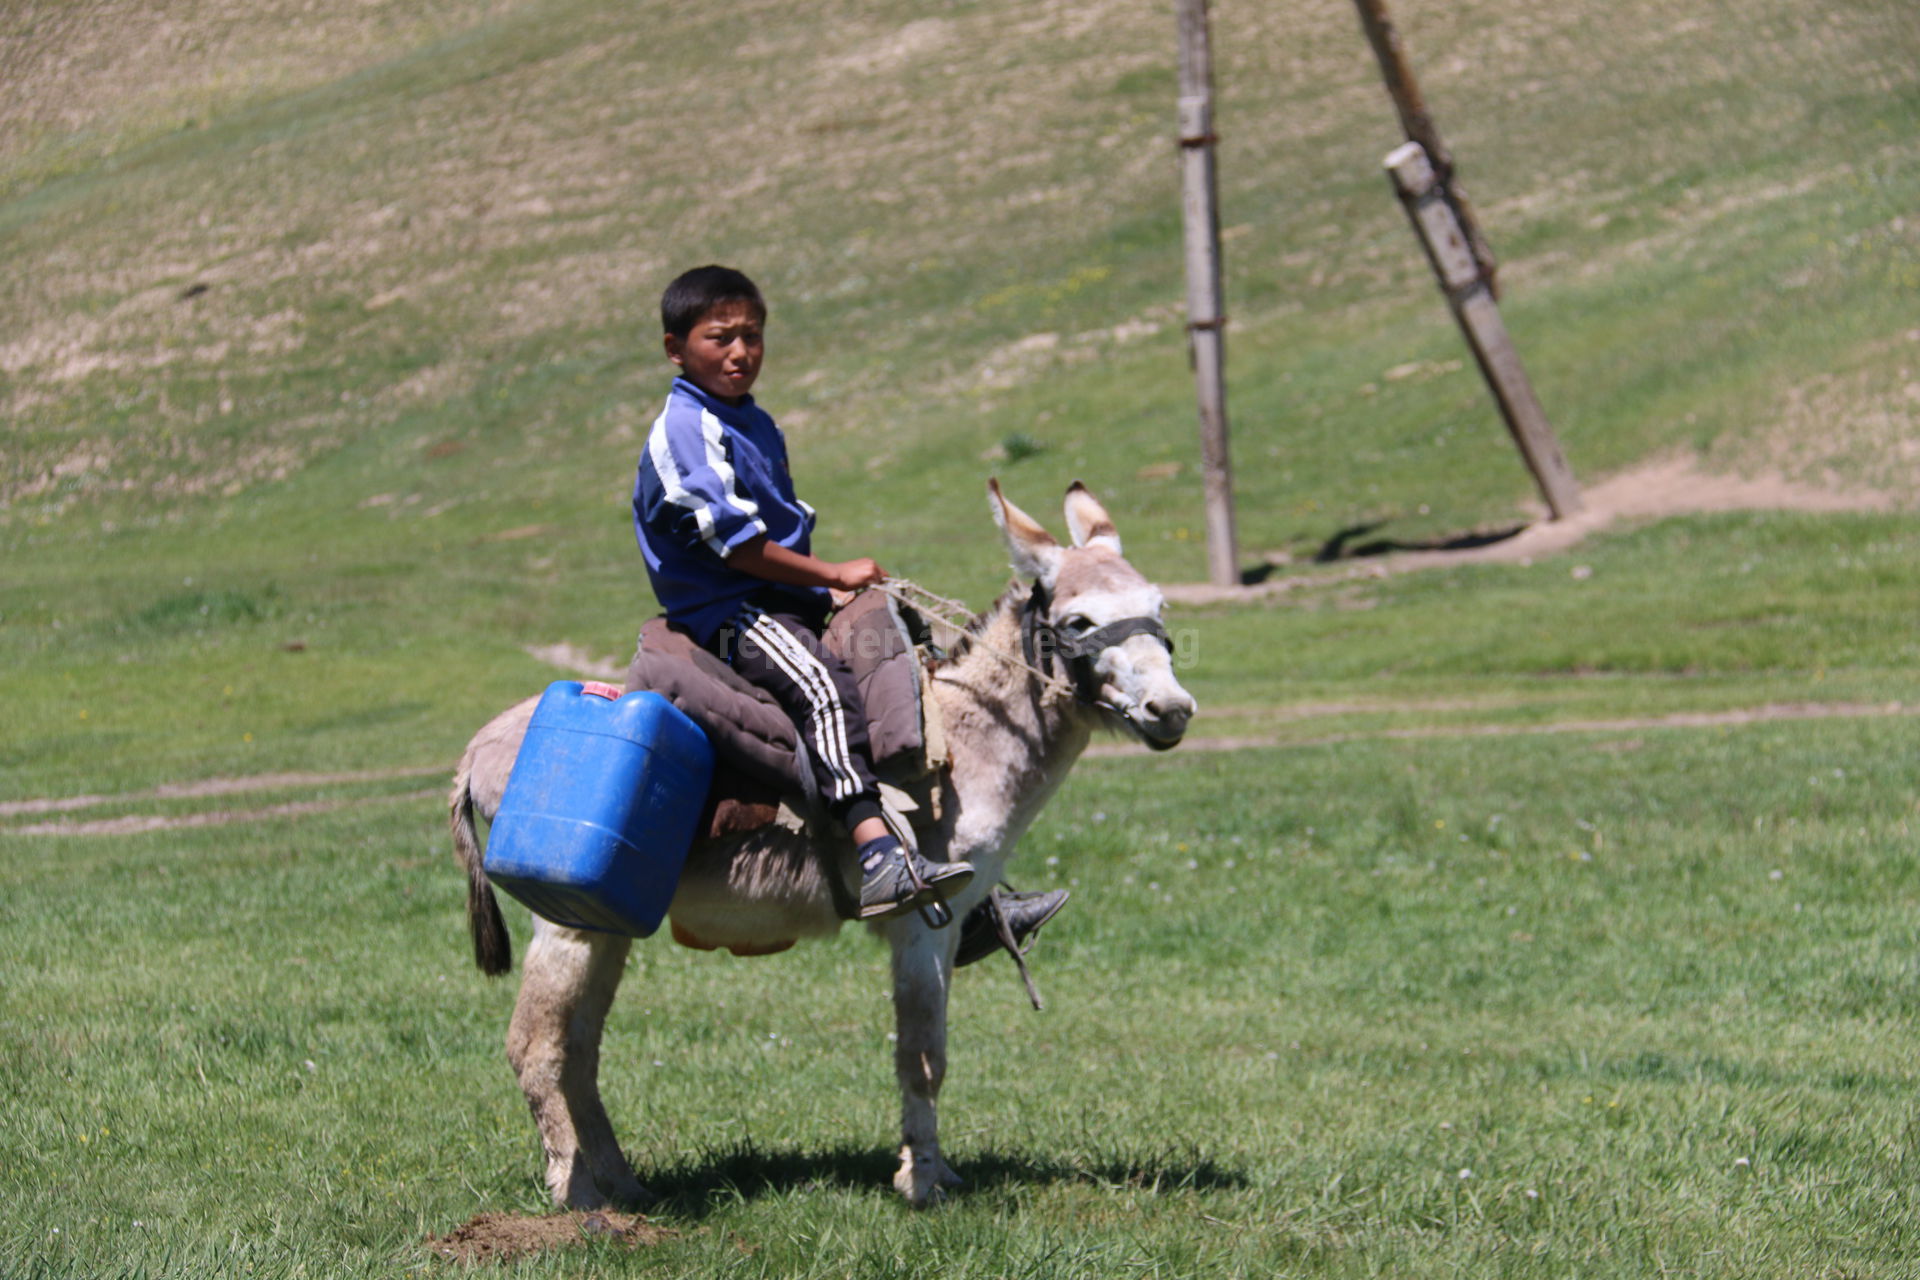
<point x="1851" y="429"/>
<point x="87" y="79"/>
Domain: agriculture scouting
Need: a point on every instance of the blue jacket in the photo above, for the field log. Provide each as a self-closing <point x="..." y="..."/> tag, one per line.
<point x="713" y="477"/>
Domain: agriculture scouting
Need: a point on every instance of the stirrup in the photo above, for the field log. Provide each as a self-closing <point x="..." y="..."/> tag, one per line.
<point x="1010" y="921"/>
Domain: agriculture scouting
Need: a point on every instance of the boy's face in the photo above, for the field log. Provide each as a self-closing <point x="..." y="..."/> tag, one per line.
<point x="722" y="353"/>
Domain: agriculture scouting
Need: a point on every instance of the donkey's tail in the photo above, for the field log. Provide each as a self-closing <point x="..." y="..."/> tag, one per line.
<point x="492" y="948"/>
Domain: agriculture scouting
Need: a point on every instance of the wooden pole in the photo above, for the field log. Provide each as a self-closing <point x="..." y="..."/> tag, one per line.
<point x="1417" y="123"/>
<point x="1471" y="299"/>
<point x="1206" y="319"/>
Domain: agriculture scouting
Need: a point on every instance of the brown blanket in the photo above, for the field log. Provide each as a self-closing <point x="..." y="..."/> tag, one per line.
<point x="749" y="731"/>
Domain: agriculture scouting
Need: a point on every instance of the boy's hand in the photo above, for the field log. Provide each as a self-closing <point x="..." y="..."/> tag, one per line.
<point x="851" y="575"/>
<point x="760" y="558"/>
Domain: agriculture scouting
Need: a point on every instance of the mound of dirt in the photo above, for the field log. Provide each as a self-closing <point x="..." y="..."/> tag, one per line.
<point x="1667" y="486"/>
<point x="499" y="1237"/>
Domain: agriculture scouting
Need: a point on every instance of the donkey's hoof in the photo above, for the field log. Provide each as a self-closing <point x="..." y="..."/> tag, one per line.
<point x="632" y="1195"/>
<point x="581" y="1199"/>
<point x="924" y="1181"/>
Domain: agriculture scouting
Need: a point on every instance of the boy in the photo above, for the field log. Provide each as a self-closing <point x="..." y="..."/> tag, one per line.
<point x="728" y="549"/>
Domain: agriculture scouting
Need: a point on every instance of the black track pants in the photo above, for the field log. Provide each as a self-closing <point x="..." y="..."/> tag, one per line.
<point x="782" y="654"/>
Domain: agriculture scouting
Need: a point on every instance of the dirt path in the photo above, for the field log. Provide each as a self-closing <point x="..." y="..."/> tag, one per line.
<point x="1627" y="724"/>
<point x="134" y="824"/>
<point x="212" y="787"/>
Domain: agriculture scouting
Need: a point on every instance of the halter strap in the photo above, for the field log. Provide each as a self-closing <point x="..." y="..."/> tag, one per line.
<point x="1041" y="642"/>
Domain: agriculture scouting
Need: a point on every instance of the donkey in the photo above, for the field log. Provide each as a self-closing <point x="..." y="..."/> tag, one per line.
<point x="1013" y="731"/>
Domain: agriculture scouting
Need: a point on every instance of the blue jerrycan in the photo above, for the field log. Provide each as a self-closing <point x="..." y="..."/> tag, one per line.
<point x="600" y="808"/>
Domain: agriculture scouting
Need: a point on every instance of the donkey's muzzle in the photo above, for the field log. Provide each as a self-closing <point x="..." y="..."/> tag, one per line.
<point x="1162" y="723"/>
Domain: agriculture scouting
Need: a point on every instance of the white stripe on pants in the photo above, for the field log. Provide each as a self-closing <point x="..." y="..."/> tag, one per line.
<point x="828" y="721"/>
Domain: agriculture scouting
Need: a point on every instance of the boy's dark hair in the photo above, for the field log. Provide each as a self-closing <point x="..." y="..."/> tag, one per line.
<point x="696" y="292"/>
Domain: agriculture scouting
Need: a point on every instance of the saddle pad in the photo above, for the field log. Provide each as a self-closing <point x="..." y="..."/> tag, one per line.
<point x="747" y="727"/>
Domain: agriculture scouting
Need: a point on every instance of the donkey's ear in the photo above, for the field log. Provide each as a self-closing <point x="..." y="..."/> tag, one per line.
<point x="1034" y="552"/>
<point x="1088" y="521"/>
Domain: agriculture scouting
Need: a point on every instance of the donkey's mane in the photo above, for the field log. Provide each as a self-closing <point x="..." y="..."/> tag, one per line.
<point x="977" y="625"/>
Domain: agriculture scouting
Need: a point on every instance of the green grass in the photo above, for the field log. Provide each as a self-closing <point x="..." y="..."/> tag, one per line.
<point x="1503" y="883"/>
<point x="1299" y="991"/>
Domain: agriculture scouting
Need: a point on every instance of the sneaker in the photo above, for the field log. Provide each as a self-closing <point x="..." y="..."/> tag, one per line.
<point x="1023" y="913"/>
<point x="905" y="880"/>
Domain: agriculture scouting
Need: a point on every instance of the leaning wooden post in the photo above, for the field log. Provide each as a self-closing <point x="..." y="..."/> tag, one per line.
<point x="1206" y="320"/>
<point x="1471" y="299"/>
<point x="1417" y="123"/>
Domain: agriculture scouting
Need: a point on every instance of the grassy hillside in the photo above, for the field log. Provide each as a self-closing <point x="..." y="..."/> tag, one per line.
<point x="327" y="341"/>
<point x="336" y="331"/>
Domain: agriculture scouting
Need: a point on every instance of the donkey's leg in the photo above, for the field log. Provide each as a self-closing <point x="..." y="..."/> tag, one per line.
<point x="554" y="1045"/>
<point x="922" y="972"/>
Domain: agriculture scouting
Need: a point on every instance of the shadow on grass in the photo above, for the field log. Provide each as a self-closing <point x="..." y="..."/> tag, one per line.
<point x="746" y="1171"/>
<point x="1348" y="544"/>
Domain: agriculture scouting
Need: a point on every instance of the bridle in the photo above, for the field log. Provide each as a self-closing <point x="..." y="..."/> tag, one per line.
<point x="1078" y="650"/>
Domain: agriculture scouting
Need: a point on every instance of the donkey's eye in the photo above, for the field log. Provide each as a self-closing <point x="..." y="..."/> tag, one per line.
<point x="1078" y="624"/>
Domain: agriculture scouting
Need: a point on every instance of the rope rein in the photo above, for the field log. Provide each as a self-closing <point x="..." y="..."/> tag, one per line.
<point x="958" y="616"/>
